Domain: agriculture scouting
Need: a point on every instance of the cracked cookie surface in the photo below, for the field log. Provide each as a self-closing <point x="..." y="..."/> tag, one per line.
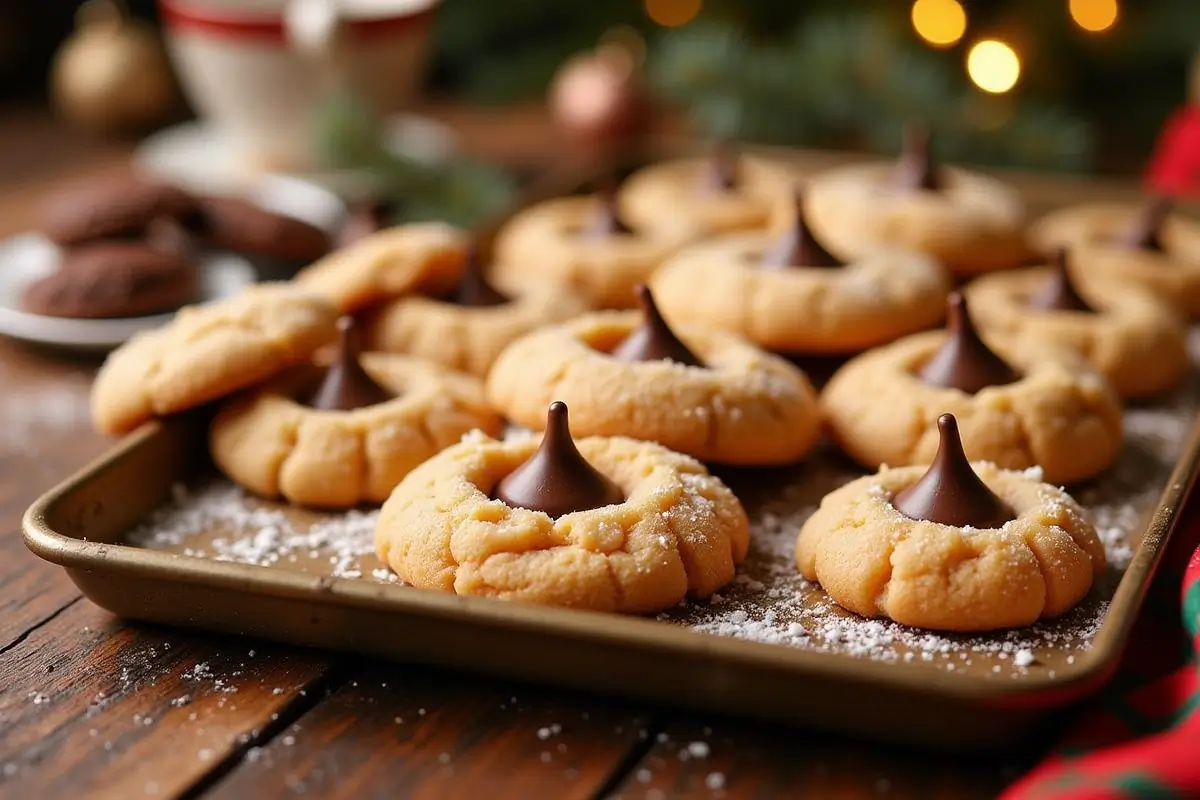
<point x="425" y="256"/>
<point x="1059" y="415"/>
<point x="677" y="187"/>
<point x="271" y="444"/>
<point x="679" y="532"/>
<point x="1091" y="232"/>
<point x="882" y="295"/>
<point x="877" y="562"/>
<point x="744" y="407"/>
<point x="1134" y="340"/>
<point x="466" y="338"/>
<point x="544" y="244"/>
<point x="208" y="351"/>
<point x="972" y="225"/>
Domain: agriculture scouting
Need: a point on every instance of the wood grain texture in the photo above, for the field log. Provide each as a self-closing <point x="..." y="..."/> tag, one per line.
<point x="91" y="707"/>
<point x="418" y="733"/>
<point x="694" y="758"/>
<point x="44" y="435"/>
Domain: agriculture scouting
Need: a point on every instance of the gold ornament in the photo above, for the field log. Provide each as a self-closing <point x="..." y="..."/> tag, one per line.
<point x="112" y="74"/>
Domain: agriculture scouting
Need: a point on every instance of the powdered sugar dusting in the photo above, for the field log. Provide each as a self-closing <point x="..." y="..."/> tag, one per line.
<point x="222" y="522"/>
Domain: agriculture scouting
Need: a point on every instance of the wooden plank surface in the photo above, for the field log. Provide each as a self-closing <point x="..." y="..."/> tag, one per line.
<point x="92" y="707"/>
<point x="697" y="758"/>
<point x="417" y="733"/>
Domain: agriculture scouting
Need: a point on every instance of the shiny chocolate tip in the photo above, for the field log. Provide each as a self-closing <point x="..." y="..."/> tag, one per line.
<point x="557" y="479"/>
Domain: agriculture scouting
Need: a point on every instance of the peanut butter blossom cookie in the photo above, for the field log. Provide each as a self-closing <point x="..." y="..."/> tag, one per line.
<point x="711" y="394"/>
<point x="388" y="263"/>
<point x="467" y="329"/>
<point x="346" y="433"/>
<point x="608" y="524"/>
<point x="584" y="244"/>
<point x="1125" y="333"/>
<point x="791" y="295"/>
<point x="1032" y="407"/>
<point x="728" y="191"/>
<point x="1148" y="247"/>
<point x="956" y="546"/>
<point x="209" y="351"/>
<point x="968" y="222"/>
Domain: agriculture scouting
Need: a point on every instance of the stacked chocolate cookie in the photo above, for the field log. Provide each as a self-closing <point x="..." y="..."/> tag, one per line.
<point x="128" y="246"/>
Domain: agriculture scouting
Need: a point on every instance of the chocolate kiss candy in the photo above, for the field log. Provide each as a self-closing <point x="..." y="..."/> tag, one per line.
<point x="654" y="340"/>
<point x="1144" y="234"/>
<point x="721" y="174"/>
<point x="365" y="217"/>
<point x="964" y="362"/>
<point x="346" y="385"/>
<point x="916" y="168"/>
<point x="557" y="479"/>
<point x="950" y="492"/>
<point x="797" y="247"/>
<point x="606" y="221"/>
<point x="1059" y="294"/>
<point x="473" y="289"/>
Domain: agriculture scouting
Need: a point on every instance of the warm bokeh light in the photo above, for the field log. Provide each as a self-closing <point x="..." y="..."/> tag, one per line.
<point x="939" y="22"/>
<point x="673" y="13"/>
<point x="1094" y="15"/>
<point x="993" y="66"/>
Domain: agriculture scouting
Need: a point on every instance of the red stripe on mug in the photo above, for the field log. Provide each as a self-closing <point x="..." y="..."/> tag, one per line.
<point x="224" y="20"/>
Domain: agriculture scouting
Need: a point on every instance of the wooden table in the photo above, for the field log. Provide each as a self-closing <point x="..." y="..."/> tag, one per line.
<point x="94" y="706"/>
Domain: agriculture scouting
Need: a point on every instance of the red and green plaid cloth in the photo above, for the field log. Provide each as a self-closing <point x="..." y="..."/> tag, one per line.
<point x="1141" y="738"/>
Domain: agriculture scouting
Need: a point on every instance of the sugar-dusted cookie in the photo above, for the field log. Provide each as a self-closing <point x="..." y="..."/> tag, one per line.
<point x="789" y="294"/>
<point x="467" y="329"/>
<point x="346" y="433"/>
<point x="728" y="191"/>
<point x="956" y="546"/>
<point x="208" y="351"/>
<point x="585" y="245"/>
<point x="607" y="524"/>
<point x="1125" y="333"/>
<point x="969" y="222"/>
<point x="118" y="207"/>
<point x="424" y="256"/>
<point x="717" y="397"/>
<point x="113" y="278"/>
<point x="1033" y="407"/>
<point x="1148" y="247"/>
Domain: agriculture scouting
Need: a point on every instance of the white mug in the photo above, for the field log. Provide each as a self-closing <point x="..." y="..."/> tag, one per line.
<point x="259" y="69"/>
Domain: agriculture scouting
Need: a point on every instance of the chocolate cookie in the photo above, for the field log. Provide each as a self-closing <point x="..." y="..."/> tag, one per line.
<point x="239" y="225"/>
<point x="112" y="207"/>
<point x="113" y="279"/>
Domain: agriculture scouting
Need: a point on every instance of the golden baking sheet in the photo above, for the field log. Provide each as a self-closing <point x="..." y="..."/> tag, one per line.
<point x="767" y="601"/>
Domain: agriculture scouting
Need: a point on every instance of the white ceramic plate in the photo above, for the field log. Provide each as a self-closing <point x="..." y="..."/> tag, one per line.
<point x="29" y="256"/>
<point x="196" y="156"/>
